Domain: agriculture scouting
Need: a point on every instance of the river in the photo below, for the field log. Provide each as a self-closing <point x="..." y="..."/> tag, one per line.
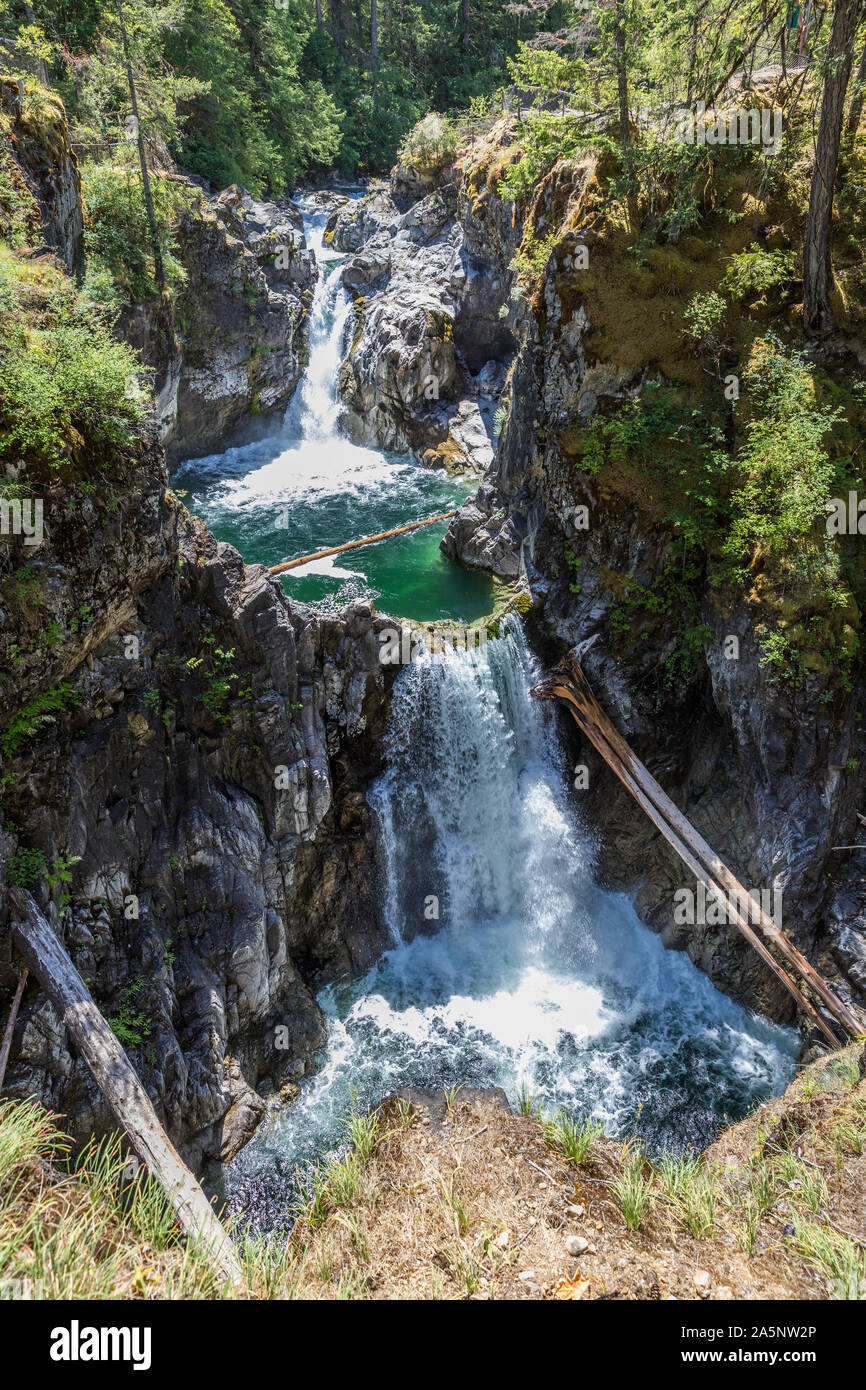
<point x="509" y="965"/>
<point x="306" y="488"/>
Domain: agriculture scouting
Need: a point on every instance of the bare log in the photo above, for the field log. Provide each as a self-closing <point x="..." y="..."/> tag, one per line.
<point x="572" y="686"/>
<point x="10" y="1023"/>
<point x="355" y="545"/>
<point x="597" y="738"/>
<point x="117" y="1080"/>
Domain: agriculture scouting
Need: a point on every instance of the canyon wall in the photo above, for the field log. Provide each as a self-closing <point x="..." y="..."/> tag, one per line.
<point x="185" y="753"/>
<point x="771" y="775"/>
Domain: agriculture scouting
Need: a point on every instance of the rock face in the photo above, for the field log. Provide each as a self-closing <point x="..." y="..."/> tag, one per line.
<point x="46" y="165"/>
<point x="763" y="773"/>
<point x="206" y="768"/>
<point x="185" y="751"/>
<point x="354" y="223"/>
<point x="433" y="339"/>
<point x="225" y="359"/>
<point x="240" y="321"/>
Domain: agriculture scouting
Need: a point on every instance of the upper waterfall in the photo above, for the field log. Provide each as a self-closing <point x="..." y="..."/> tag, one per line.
<point x="307" y="487"/>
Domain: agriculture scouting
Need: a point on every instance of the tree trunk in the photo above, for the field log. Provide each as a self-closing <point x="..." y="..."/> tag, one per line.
<point x="337" y="14"/>
<point x="42" y="66"/>
<point x="374" y="34"/>
<point x="117" y="1080"/>
<point x="817" y="315"/>
<point x="158" y="268"/>
<point x="855" y="111"/>
<point x="465" y="22"/>
<point x="621" y="73"/>
<point x="320" y="23"/>
<point x="693" y="57"/>
<point x="570" y="684"/>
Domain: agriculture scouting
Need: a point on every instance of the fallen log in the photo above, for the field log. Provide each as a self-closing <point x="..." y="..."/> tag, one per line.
<point x="355" y="545"/>
<point x="615" y="763"/>
<point x="570" y="684"/>
<point x="114" y="1075"/>
<point x="10" y="1023"/>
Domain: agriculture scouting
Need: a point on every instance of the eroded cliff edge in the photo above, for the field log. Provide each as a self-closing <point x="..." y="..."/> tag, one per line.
<point x="185" y="753"/>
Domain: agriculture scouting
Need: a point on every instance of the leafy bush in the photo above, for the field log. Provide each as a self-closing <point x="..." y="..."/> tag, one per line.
<point x="431" y="145"/>
<point x="784" y="472"/>
<point x="702" y="316"/>
<point x="61" y="371"/>
<point x="117" y="234"/>
<point x="26" y="868"/>
<point x="546" y="137"/>
<point x="757" y="271"/>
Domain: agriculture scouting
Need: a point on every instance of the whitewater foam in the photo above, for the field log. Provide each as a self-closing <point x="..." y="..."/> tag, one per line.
<point x="531" y="975"/>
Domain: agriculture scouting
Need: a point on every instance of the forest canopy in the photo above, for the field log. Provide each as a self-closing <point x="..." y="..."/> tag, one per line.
<point x="262" y="91"/>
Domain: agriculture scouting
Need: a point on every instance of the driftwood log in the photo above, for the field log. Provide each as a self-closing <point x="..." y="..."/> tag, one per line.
<point x="570" y="685"/>
<point x="113" y="1073"/>
<point x="355" y="545"/>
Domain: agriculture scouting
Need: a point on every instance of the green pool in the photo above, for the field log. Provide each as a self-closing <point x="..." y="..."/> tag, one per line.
<point x="307" y="488"/>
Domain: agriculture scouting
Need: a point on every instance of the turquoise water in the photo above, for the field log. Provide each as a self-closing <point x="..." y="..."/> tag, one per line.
<point x="307" y="488"/>
<point x="278" y="499"/>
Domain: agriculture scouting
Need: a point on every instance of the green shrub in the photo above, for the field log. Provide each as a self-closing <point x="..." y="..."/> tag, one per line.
<point x="702" y="316"/>
<point x="431" y="145"/>
<point x="117" y="233"/>
<point x="26" y="868"/>
<point x="757" y="271"/>
<point x="62" y="372"/>
<point x="784" y="473"/>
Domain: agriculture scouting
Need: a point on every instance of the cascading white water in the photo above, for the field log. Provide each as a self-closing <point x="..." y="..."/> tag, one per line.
<point x="532" y="975"/>
<point x="307" y="487"/>
<point x="315" y="407"/>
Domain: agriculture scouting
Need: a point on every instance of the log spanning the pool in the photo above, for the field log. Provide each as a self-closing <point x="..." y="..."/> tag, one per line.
<point x="570" y="685"/>
<point x="356" y="545"/>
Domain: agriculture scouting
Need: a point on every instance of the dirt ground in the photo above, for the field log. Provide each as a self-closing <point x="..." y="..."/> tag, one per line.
<point x="469" y="1200"/>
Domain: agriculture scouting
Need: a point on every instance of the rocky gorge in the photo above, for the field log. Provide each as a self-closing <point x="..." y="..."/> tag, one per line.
<point x="209" y="744"/>
<point x="771" y="776"/>
<point x="212" y="742"/>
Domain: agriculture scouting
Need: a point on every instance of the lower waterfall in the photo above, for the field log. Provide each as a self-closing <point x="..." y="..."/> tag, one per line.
<point x="530" y="976"/>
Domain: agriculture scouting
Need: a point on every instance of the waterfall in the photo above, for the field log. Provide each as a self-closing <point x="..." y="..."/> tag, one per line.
<point x="306" y="487"/>
<point x="314" y="410"/>
<point x="472" y="806"/>
<point x="531" y="974"/>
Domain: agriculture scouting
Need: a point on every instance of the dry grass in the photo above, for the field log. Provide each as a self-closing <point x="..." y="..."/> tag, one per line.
<point x="455" y="1196"/>
<point x="473" y="1201"/>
